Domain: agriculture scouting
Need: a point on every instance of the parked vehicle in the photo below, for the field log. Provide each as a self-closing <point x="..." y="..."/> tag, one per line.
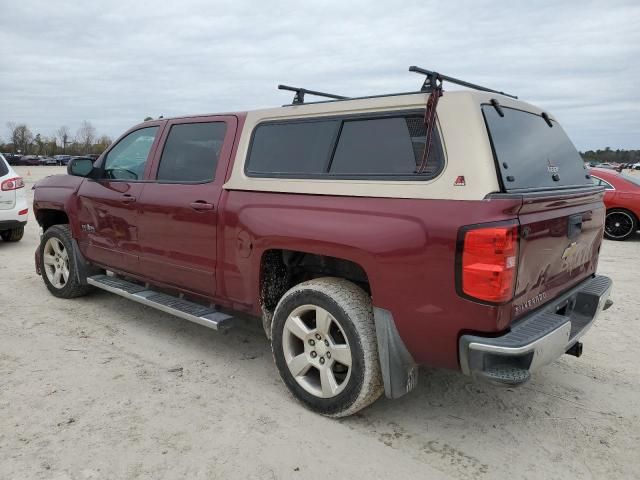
<point x="366" y="237"/>
<point x="30" y="160"/>
<point x="62" y="159"/>
<point x="622" y="199"/>
<point x="11" y="158"/>
<point x="48" y="161"/>
<point x="607" y="166"/>
<point x="13" y="203"/>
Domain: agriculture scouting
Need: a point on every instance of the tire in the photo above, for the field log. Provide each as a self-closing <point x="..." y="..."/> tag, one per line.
<point x="56" y="255"/>
<point x="346" y="333"/>
<point x="620" y="224"/>
<point x="13" y="235"/>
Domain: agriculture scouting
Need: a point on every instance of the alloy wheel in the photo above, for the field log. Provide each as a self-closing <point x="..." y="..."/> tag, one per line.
<point x="56" y="262"/>
<point x="619" y="224"/>
<point x="316" y="351"/>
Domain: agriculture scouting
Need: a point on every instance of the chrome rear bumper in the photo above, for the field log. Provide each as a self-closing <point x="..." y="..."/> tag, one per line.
<point x="537" y="339"/>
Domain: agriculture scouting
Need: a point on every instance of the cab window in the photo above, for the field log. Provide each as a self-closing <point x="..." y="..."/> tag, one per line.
<point x="128" y="159"/>
<point x="191" y="152"/>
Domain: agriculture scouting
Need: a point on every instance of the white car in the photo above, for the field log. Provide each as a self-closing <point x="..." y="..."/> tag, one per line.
<point x="13" y="203"/>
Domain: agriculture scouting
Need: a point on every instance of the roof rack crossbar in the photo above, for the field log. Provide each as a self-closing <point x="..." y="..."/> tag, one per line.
<point x="434" y="77"/>
<point x="298" y="98"/>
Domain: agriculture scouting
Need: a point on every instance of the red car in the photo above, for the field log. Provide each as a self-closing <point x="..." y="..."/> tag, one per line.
<point x="622" y="199"/>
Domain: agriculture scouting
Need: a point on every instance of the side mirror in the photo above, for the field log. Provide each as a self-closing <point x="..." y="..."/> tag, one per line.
<point x="80" y="167"/>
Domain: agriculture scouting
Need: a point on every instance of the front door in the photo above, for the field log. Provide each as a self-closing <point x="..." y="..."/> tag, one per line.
<point x="178" y="222"/>
<point x="108" y="205"/>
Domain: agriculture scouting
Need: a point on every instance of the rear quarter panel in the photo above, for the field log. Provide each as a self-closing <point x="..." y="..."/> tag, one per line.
<point x="407" y="248"/>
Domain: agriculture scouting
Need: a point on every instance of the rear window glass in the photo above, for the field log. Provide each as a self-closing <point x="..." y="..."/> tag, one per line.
<point x="532" y="155"/>
<point x="4" y="169"/>
<point x="345" y="148"/>
<point x="191" y="152"/>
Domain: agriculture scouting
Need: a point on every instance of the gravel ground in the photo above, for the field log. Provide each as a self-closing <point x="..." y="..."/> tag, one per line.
<point x="101" y="388"/>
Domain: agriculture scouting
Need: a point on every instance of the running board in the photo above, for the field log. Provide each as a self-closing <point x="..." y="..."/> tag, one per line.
<point x="194" y="312"/>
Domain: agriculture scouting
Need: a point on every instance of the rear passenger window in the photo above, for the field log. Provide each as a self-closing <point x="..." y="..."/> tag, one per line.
<point x="601" y="183"/>
<point x="191" y="152"/>
<point x="390" y="146"/>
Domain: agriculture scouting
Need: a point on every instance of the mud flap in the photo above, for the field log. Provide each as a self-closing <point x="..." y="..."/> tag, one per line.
<point x="399" y="370"/>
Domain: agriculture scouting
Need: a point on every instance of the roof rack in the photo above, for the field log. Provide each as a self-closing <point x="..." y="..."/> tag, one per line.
<point x="298" y="98"/>
<point x="430" y="82"/>
<point x="432" y="79"/>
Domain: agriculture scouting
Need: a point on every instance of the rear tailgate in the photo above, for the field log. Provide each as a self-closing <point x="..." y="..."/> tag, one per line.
<point x="560" y="238"/>
<point x="562" y="213"/>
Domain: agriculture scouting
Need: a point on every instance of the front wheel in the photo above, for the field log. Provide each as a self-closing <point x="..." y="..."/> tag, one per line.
<point x="58" y="265"/>
<point x="620" y="224"/>
<point x="324" y="345"/>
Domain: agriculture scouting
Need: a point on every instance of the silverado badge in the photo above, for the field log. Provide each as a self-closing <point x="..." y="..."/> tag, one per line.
<point x="569" y="251"/>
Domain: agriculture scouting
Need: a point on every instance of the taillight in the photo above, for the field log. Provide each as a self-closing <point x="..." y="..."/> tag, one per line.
<point x="12" y="184"/>
<point x="488" y="260"/>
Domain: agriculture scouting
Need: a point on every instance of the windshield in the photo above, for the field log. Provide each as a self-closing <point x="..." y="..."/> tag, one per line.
<point x="531" y="154"/>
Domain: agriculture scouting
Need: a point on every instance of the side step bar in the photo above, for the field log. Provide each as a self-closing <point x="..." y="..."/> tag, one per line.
<point x="194" y="312"/>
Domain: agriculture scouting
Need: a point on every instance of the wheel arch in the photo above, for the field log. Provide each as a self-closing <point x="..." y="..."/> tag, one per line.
<point x="48" y="217"/>
<point x="282" y="268"/>
<point x="625" y="209"/>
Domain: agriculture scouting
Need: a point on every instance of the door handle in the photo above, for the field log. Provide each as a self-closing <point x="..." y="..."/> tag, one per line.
<point x="126" y="198"/>
<point x="201" y="205"/>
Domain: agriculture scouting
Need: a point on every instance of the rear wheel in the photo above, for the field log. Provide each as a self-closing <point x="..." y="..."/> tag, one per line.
<point x="13" y="235"/>
<point x="620" y="224"/>
<point x="324" y="345"/>
<point x="58" y="265"/>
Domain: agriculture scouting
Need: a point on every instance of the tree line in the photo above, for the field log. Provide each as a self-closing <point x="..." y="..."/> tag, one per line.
<point x="23" y="141"/>
<point x="611" y="156"/>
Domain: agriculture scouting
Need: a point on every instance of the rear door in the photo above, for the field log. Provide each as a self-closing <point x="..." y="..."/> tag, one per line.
<point x="562" y="214"/>
<point x="178" y="223"/>
<point x="108" y="206"/>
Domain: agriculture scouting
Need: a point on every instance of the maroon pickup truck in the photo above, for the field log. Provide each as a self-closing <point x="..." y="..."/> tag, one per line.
<point x="368" y="236"/>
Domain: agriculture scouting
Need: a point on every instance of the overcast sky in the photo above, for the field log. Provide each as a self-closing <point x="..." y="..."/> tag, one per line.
<point x="115" y="62"/>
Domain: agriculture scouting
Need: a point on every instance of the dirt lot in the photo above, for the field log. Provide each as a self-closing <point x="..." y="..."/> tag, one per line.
<point x="101" y="388"/>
